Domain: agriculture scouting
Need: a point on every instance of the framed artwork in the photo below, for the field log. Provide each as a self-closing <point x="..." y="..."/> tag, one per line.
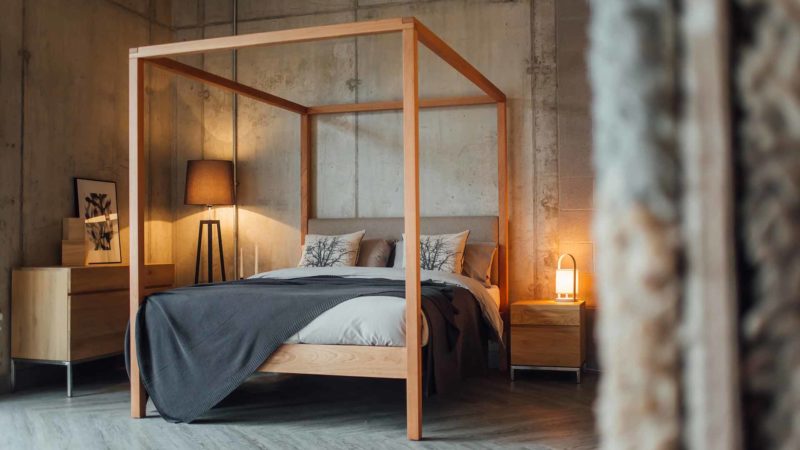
<point x="96" y="203"/>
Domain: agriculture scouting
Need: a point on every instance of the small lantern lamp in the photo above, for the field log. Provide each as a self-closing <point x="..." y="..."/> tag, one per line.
<point x="566" y="281"/>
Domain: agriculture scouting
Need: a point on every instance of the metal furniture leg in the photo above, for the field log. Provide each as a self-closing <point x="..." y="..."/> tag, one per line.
<point x="13" y="375"/>
<point x="69" y="380"/>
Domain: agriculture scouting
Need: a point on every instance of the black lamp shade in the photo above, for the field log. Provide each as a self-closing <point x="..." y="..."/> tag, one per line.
<point x="209" y="182"/>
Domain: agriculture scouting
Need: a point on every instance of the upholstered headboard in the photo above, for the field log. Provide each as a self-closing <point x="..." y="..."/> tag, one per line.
<point x="481" y="228"/>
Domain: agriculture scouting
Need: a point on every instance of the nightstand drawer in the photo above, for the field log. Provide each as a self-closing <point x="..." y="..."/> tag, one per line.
<point x="523" y="313"/>
<point x="97" y="324"/>
<point x="554" y="346"/>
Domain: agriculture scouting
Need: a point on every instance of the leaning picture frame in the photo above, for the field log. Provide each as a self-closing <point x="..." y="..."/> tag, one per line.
<point x="96" y="204"/>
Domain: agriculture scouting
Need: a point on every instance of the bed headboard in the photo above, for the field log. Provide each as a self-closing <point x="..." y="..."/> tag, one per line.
<point x="481" y="228"/>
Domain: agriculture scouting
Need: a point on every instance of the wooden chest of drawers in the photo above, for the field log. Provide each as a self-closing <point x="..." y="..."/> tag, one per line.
<point x="547" y="335"/>
<point x="64" y="315"/>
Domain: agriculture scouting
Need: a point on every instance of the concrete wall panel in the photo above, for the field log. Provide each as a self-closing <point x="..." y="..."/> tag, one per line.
<point x="258" y="9"/>
<point x="269" y="139"/>
<point x="10" y="160"/>
<point x="74" y="123"/>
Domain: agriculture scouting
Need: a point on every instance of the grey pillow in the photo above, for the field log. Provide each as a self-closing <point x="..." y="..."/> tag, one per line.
<point x="374" y="253"/>
<point x="478" y="259"/>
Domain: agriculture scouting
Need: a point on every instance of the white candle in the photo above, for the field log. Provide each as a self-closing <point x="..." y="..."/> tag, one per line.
<point x="241" y="262"/>
<point x="256" y="259"/>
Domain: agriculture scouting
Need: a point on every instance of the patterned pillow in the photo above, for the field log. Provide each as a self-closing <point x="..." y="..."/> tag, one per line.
<point x="442" y="252"/>
<point x="331" y="251"/>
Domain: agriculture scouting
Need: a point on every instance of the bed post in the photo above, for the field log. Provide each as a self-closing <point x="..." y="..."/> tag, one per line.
<point x="411" y="219"/>
<point x="502" y="212"/>
<point x="136" y="164"/>
<point x="305" y="176"/>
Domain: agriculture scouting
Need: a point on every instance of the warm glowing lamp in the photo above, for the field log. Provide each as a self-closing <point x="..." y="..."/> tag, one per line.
<point x="209" y="183"/>
<point x="566" y="281"/>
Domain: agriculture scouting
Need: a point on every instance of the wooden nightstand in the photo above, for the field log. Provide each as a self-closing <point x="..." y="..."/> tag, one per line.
<point x="547" y="335"/>
<point x="69" y="315"/>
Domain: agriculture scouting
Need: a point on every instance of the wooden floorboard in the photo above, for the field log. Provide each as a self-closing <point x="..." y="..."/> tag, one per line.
<point x="538" y="411"/>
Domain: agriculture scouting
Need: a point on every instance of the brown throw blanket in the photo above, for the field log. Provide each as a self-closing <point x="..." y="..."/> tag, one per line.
<point x="197" y="344"/>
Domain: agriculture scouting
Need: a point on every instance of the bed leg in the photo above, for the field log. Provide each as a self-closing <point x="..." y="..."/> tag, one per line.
<point x="413" y="409"/>
<point x="411" y="226"/>
<point x="139" y="404"/>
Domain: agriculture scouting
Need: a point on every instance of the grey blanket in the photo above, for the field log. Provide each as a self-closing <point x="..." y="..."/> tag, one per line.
<point x="197" y="344"/>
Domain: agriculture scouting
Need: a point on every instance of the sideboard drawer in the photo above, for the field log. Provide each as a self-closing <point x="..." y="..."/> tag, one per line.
<point x="113" y="278"/>
<point x="69" y="314"/>
<point x="97" y="323"/>
<point x="98" y="279"/>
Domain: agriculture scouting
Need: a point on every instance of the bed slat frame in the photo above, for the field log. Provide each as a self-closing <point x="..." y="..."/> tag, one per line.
<point x="378" y="362"/>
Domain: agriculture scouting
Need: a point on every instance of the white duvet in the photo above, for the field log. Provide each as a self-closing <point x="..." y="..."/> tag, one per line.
<point x="376" y="320"/>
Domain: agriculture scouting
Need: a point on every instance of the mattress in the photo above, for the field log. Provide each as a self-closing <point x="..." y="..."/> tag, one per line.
<point x="370" y="320"/>
<point x="373" y="320"/>
<point x="377" y="320"/>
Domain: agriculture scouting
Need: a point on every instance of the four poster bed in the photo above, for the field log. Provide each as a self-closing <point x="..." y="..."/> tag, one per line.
<point x="399" y="362"/>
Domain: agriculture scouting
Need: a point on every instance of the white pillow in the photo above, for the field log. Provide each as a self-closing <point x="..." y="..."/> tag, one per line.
<point x="442" y="252"/>
<point x="331" y="251"/>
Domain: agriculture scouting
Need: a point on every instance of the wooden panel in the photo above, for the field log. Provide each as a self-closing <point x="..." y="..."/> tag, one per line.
<point x="98" y="279"/>
<point x="73" y="253"/>
<point x="273" y="37"/>
<point x="40" y="318"/>
<point x="544" y="315"/>
<point x="137" y="194"/>
<point x="555" y="346"/>
<point x="226" y="84"/>
<point x="398" y="105"/>
<point x="159" y="275"/>
<point x="411" y="220"/>
<point x="342" y="360"/>
<point x="438" y="46"/>
<point x="97" y="324"/>
<point x="73" y="229"/>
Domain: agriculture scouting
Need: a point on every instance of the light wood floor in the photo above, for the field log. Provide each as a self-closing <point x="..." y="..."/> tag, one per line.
<point x="538" y="411"/>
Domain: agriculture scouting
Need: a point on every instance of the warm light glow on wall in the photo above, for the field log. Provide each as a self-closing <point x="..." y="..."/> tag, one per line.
<point x="566" y="281"/>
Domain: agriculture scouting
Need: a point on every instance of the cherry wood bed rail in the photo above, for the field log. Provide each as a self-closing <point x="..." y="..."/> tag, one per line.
<point x="223" y="83"/>
<point x="398" y="104"/>
<point x="381" y="362"/>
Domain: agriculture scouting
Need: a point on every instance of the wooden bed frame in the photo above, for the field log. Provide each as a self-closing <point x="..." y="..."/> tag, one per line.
<point x="363" y="361"/>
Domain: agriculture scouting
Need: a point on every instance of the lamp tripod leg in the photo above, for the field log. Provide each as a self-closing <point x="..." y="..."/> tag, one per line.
<point x="197" y="254"/>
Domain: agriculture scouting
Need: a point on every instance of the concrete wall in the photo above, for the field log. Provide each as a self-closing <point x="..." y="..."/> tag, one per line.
<point x="575" y="170"/>
<point x="533" y="51"/>
<point x="65" y="115"/>
<point x="64" y="82"/>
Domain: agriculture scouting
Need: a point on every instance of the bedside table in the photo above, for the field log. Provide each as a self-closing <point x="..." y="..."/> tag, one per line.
<point x="69" y="315"/>
<point x="547" y="335"/>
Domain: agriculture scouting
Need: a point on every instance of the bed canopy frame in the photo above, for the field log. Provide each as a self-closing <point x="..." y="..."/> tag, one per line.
<point x="379" y="362"/>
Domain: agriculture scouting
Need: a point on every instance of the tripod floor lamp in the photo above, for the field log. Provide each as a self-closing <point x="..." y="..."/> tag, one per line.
<point x="209" y="183"/>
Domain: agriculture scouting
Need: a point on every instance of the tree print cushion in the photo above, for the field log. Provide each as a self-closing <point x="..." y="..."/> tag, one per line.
<point x="442" y="252"/>
<point x="331" y="251"/>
